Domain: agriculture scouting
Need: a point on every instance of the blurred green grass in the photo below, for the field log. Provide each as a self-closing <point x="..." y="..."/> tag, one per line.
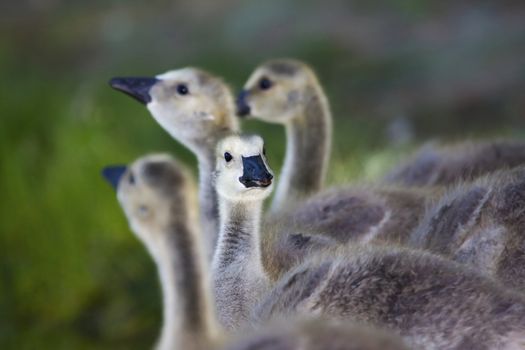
<point x="67" y="250"/>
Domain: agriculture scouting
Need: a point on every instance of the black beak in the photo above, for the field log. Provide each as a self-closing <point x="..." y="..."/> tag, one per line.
<point x="113" y="174"/>
<point x="138" y="88"/>
<point x="255" y="173"/>
<point x="243" y="109"/>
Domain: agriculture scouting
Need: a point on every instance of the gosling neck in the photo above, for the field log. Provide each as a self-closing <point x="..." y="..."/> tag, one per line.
<point x="189" y="314"/>
<point x="238" y="275"/>
<point x="239" y="233"/>
<point x="208" y="202"/>
<point x="308" y="147"/>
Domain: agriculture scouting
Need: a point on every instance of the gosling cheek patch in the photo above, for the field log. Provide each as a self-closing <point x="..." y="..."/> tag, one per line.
<point x="255" y="173"/>
<point x="136" y="87"/>
<point x="113" y="174"/>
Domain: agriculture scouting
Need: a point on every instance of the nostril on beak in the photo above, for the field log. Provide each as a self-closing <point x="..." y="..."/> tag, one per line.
<point x="266" y="181"/>
<point x="268" y="178"/>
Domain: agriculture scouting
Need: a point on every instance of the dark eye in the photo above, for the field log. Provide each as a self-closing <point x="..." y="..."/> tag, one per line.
<point x="182" y="89"/>
<point x="227" y="157"/>
<point x="265" y="83"/>
<point x="264" y="150"/>
<point x="131" y="179"/>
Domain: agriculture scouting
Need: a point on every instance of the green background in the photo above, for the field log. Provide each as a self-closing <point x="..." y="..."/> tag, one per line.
<point x="397" y="73"/>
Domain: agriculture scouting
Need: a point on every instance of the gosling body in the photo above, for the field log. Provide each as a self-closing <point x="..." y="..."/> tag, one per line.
<point x="481" y="224"/>
<point x="449" y="165"/>
<point x="431" y="302"/>
<point x="342" y="216"/>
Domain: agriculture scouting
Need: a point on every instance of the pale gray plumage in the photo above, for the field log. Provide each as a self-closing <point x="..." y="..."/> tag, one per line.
<point x="339" y="216"/>
<point x="436" y="164"/>
<point x="432" y="302"/>
<point x="481" y="224"/>
<point x="318" y="334"/>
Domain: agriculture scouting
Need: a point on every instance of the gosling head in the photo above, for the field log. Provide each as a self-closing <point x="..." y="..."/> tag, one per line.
<point x="275" y="92"/>
<point x="242" y="171"/>
<point x="193" y="106"/>
<point x="149" y="191"/>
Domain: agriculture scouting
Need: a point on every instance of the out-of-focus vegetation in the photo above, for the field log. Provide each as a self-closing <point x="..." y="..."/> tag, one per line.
<point x="397" y="73"/>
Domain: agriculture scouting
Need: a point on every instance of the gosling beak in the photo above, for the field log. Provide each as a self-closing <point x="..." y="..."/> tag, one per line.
<point x="138" y="87"/>
<point x="113" y="174"/>
<point x="243" y="109"/>
<point x="255" y="173"/>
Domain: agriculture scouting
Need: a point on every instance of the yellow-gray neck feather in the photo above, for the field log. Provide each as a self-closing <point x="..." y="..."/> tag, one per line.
<point x="208" y="202"/>
<point x="308" y="147"/>
<point x="238" y="275"/>
<point x="189" y="314"/>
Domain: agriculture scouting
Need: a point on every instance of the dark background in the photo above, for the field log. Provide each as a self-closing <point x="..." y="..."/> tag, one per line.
<point x="397" y="73"/>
